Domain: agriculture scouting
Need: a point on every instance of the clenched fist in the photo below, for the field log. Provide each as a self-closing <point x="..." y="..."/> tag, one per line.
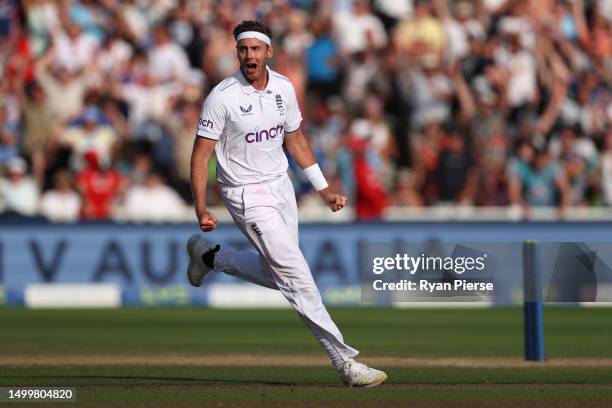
<point x="334" y="201"/>
<point x="208" y="221"/>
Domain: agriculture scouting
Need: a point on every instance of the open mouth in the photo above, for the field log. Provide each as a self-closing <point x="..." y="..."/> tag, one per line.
<point x="250" y="68"/>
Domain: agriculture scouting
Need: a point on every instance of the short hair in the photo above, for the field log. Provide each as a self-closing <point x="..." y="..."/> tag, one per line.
<point x="252" y="25"/>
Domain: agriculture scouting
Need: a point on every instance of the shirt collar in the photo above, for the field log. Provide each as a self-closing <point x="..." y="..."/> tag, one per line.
<point x="246" y="87"/>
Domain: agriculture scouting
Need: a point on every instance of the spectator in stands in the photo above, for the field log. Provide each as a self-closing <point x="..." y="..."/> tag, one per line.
<point x="431" y="92"/>
<point x="147" y="100"/>
<point x="167" y="60"/>
<point x="322" y="60"/>
<point x="373" y="127"/>
<point x="505" y="72"/>
<point x="520" y="69"/>
<point x="219" y="54"/>
<point x="457" y="176"/>
<point x="41" y="130"/>
<point x="297" y="38"/>
<point x="135" y="20"/>
<point x="538" y="181"/>
<point x="65" y="89"/>
<point x="19" y="193"/>
<point x="141" y="164"/>
<point x="42" y="18"/>
<point x="61" y="203"/>
<point x="100" y="187"/>
<point x="182" y="127"/>
<point x="113" y="56"/>
<point x="405" y="194"/>
<point x="358" y="30"/>
<point x="10" y="99"/>
<point x="426" y="149"/>
<point x="363" y="75"/>
<point x="153" y="201"/>
<point x="590" y="107"/>
<point x="487" y="117"/>
<point x="90" y="132"/>
<point x="492" y="189"/>
<point x="89" y="17"/>
<point x="518" y="20"/>
<point x="186" y="32"/>
<point x="6" y="19"/>
<point x="9" y="137"/>
<point x="391" y="12"/>
<point x="579" y="159"/>
<point x="601" y="24"/>
<point x="456" y="27"/>
<point x="75" y="49"/>
<point x="370" y="196"/>
<point x="421" y="33"/>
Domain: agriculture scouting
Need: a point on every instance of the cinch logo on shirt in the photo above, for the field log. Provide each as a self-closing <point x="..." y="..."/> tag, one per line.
<point x="268" y="134"/>
<point x="206" y="123"/>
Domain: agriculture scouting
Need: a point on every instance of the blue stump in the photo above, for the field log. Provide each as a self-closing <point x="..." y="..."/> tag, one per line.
<point x="532" y="291"/>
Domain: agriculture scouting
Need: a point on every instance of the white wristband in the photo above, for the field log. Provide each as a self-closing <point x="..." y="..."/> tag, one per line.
<point x="316" y="177"/>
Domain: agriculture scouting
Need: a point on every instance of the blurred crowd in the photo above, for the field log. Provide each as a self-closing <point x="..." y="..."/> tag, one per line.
<point x="407" y="103"/>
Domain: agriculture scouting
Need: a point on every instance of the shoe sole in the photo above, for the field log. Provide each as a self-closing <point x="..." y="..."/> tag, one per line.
<point x="190" y="244"/>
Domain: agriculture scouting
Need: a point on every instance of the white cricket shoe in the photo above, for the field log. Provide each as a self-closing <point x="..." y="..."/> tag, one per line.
<point x="355" y="374"/>
<point x="197" y="269"/>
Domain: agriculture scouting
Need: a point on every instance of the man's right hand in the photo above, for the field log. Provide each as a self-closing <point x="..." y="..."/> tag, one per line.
<point x="208" y="221"/>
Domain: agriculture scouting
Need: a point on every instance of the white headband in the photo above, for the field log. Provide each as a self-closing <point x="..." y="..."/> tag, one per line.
<point x="254" y="34"/>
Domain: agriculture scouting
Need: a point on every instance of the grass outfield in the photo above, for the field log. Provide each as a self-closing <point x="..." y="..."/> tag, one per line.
<point x="132" y="357"/>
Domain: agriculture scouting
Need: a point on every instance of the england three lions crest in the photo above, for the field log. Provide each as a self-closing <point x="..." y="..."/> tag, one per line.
<point x="279" y="103"/>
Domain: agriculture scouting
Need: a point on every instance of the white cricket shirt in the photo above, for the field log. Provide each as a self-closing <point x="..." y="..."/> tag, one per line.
<point x="250" y="126"/>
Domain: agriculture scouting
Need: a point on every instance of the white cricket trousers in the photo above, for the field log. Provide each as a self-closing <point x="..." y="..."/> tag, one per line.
<point x="267" y="215"/>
